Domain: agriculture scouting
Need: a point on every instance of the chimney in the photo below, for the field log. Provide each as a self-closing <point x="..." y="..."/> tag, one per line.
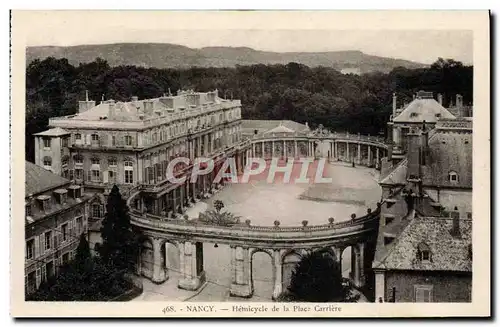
<point x="148" y="107"/>
<point x="440" y="98"/>
<point x="414" y="150"/>
<point x="111" y="110"/>
<point x="85" y="105"/>
<point x="460" y="105"/>
<point x="394" y="105"/>
<point x="425" y="144"/>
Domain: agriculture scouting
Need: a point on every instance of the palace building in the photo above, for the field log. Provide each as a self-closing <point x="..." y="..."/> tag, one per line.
<point x="130" y="143"/>
<point x="56" y="214"/>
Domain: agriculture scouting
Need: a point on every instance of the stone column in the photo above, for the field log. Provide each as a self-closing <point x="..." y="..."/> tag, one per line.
<point x="192" y="273"/>
<point x="377" y="155"/>
<point x="361" y="263"/>
<point x="347" y="152"/>
<point x="174" y="201"/>
<point x="181" y="196"/>
<point x="379" y="286"/>
<point x="296" y="153"/>
<point x="272" y="147"/>
<point x="359" y="153"/>
<point x="262" y="150"/>
<point x="241" y="284"/>
<point x="285" y="153"/>
<point x="369" y="155"/>
<point x="278" y="274"/>
<point x="355" y="265"/>
<point x="187" y="192"/>
<point x="159" y="272"/>
<point x="253" y="149"/>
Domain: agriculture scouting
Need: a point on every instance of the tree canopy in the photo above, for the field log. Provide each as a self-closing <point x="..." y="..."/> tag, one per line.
<point x="318" y="278"/>
<point x="297" y="92"/>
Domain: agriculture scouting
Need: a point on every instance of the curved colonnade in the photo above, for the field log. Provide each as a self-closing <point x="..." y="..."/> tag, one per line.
<point x="280" y="243"/>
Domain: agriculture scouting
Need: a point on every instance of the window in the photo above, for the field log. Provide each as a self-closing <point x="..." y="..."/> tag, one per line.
<point x="95" y="161"/>
<point x="414" y="114"/>
<point x="438" y="115"/>
<point x="64" y="232"/>
<point x="453" y="177"/>
<point x="111" y="176"/>
<point x="64" y="161"/>
<point x="47" y="162"/>
<point x="30" y="249"/>
<point x="155" y="137"/>
<point x="128" y="140"/>
<point x="31" y="282"/>
<point x="65" y="258"/>
<point x="389" y="220"/>
<point x="95" y="138"/>
<point x="46" y="143"/>
<point x="469" y="215"/>
<point x="95" y="175"/>
<point x="423" y="293"/>
<point x="129" y="177"/>
<point x="79" y="225"/>
<point x="48" y="240"/>
<point x="78" y="159"/>
<point x="112" y="162"/>
<point x="78" y="173"/>
<point x="27" y="210"/>
<point x="65" y="142"/>
<point x="388" y="240"/>
<point x="113" y="140"/>
<point x="96" y="210"/>
<point x="423" y="252"/>
<point x="78" y="137"/>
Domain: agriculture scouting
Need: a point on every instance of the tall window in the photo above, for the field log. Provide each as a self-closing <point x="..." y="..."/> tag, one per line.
<point x="65" y="142"/>
<point x="423" y="252"/>
<point x="64" y="161"/>
<point x="95" y="161"/>
<point x="46" y="143"/>
<point x="64" y="232"/>
<point x="78" y="138"/>
<point x="95" y="175"/>
<point x="113" y="140"/>
<point x="128" y="140"/>
<point x="129" y="172"/>
<point x="48" y="240"/>
<point x="78" y="173"/>
<point x="30" y="249"/>
<point x="78" y="159"/>
<point x="96" y="210"/>
<point x="79" y="225"/>
<point x="95" y="138"/>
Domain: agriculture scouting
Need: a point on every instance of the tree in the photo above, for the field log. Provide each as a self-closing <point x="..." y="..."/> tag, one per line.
<point x="217" y="217"/>
<point x="82" y="255"/>
<point x="318" y="278"/>
<point x="120" y="245"/>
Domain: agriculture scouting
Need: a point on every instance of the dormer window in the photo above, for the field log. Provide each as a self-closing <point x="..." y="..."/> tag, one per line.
<point x="438" y="115"/>
<point x="27" y="209"/>
<point x="47" y="163"/>
<point x="414" y="114"/>
<point x="423" y="252"/>
<point x="61" y="195"/>
<point x="453" y="177"/>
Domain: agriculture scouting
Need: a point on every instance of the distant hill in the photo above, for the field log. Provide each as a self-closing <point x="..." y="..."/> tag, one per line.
<point x="165" y="55"/>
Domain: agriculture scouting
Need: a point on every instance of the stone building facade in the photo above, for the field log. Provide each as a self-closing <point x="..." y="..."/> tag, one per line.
<point x="424" y="246"/>
<point x="56" y="215"/>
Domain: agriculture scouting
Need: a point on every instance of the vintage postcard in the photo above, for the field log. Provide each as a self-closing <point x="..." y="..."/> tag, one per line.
<point x="250" y="164"/>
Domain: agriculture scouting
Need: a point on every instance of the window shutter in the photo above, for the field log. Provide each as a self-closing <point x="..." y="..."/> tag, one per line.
<point x="42" y="243"/>
<point x="36" y="246"/>
<point x="38" y="278"/>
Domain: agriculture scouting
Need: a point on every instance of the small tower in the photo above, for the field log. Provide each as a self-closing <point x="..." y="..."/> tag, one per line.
<point x="52" y="150"/>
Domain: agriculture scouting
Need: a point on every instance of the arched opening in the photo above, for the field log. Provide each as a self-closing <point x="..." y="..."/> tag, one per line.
<point x="147" y="260"/>
<point x="289" y="262"/>
<point x="346" y="261"/>
<point x="171" y="253"/>
<point x="261" y="266"/>
<point x="217" y="268"/>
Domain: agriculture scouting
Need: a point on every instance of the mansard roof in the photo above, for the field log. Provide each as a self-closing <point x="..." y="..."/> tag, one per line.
<point x="421" y="109"/>
<point x="249" y="126"/>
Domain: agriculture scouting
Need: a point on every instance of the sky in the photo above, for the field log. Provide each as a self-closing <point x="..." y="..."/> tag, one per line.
<point x="420" y="45"/>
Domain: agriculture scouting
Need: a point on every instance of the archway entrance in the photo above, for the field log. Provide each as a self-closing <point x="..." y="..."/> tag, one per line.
<point x="347" y="262"/>
<point x="262" y="274"/>
<point x="289" y="262"/>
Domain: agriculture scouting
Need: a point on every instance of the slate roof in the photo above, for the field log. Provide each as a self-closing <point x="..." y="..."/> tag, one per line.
<point x="57" y="131"/>
<point x="426" y="109"/>
<point x="449" y="151"/>
<point x="448" y="252"/>
<point x="39" y="179"/>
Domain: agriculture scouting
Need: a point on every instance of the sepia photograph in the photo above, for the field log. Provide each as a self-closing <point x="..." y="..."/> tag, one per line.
<point x="243" y="169"/>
